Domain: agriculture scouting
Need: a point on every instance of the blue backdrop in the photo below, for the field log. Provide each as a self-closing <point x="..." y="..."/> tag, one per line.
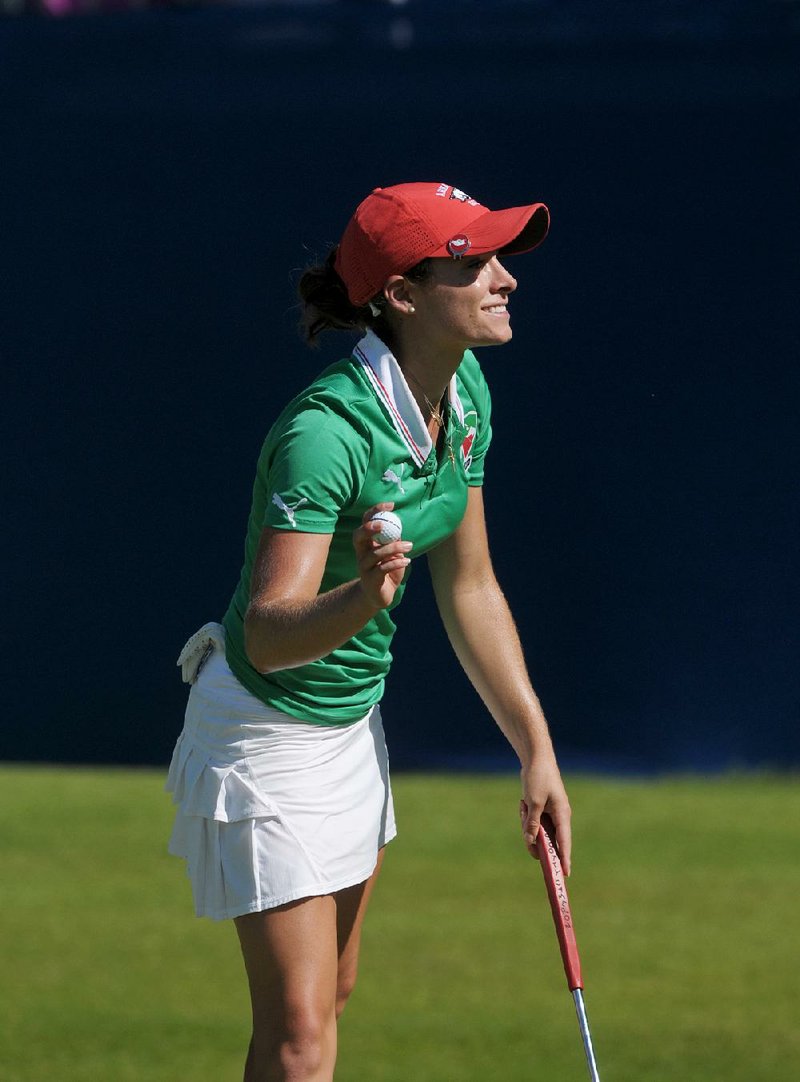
<point x="164" y="177"/>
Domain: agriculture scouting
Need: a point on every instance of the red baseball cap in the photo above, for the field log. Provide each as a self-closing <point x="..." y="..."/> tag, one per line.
<point x="394" y="228"/>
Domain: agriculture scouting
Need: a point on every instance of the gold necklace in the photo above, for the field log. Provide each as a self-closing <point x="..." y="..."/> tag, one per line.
<point x="435" y="412"/>
<point x="436" y="415"/>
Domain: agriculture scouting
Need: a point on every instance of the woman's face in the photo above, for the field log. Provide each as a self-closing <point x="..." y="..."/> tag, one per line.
<point x="464" y="302"/>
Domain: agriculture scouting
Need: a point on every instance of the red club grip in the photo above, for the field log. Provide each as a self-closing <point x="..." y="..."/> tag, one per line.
<point x="559" y="903"/>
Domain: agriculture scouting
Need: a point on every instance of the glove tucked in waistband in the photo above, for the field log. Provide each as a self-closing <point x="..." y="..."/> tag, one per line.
<point x="199" y="649"/>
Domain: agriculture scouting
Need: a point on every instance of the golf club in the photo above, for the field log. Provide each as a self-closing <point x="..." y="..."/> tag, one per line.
<point x="562" y="918"/>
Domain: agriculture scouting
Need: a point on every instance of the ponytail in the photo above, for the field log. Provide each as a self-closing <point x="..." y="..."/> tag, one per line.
<point x="325" y="304"/>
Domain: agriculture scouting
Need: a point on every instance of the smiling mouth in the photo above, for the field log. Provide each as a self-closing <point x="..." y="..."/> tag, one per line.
<point x="497" y="310"/>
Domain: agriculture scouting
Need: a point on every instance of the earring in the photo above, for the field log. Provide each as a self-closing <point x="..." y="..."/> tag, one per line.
<point x="411" y="309"/>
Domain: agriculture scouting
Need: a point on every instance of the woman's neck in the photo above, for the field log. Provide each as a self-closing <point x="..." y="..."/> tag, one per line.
<point x="428" y="376"/>
<point x="428" y="368"/>
<point x="429" y="396"/>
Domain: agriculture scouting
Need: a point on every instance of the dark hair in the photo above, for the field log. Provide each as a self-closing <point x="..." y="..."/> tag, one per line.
<point x="325" y="305"/>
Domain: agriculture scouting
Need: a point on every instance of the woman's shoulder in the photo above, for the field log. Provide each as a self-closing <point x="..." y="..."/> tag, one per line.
<point x="470" y="368"/>
<point x="471" y="378"/>
<point x="341" y="383"/>
<point x="334" y="399"/>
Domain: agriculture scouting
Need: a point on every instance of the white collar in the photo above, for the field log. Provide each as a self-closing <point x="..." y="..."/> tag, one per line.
<point x="387" y="379"/>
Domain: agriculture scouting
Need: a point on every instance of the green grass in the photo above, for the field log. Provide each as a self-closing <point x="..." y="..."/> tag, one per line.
<point x="685" y="894"/>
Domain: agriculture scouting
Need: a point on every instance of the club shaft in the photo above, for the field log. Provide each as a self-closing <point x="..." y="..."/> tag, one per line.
<point x="583" y="1022"/>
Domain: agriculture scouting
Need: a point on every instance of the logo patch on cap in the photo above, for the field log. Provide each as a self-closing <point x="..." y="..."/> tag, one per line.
<point x="462" y="197"/>
<point x="459" y="245"/>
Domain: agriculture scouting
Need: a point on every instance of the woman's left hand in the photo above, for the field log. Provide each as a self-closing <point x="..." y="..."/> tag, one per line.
<point x="543" y="791"/>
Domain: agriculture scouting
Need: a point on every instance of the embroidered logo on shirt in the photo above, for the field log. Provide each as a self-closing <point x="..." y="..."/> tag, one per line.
<point x="288" y="508"/>
<point x="469" y="439"/>
<point x="394" y="479"/>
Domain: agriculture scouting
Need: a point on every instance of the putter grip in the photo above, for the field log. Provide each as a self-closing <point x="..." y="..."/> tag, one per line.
<point x="559" y="903"/>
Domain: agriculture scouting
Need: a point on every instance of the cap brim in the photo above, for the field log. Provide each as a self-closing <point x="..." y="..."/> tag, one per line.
<point x="510" y="232"/>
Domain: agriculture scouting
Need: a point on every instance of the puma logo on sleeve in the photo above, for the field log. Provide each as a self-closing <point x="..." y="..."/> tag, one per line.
<point x="288" y="508"/>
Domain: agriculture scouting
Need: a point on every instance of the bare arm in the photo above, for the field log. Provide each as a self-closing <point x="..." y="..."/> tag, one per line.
<point x="288" y="621"/>
<point x="482" y="632"/>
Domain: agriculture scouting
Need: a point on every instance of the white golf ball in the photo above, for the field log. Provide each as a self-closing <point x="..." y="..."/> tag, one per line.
<point x="391" y="527"/>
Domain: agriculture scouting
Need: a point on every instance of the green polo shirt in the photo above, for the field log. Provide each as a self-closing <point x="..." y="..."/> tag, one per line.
<point x="352" y="439"/>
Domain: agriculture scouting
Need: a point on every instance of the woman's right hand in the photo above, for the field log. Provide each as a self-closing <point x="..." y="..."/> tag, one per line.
<point x="380" y="567"/>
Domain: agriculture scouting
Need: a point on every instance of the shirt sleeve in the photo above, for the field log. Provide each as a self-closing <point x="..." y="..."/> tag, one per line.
<point x="312" y="468"/>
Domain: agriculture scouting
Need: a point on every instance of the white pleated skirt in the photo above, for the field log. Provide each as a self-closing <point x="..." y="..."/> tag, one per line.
<point x="271" y="809"/>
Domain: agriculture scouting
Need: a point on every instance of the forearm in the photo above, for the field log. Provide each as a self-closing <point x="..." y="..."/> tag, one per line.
<point x="484" y="637"/>
<point x="283" y="634"/>
<point x="490" y="653"/>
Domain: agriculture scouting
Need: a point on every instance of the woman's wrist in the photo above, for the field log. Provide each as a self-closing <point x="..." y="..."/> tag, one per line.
<point x="366" y="605"/>
<point x="533" y="746"/>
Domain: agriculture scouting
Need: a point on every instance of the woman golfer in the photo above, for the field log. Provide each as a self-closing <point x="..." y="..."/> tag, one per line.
<point x="281" y="774"/>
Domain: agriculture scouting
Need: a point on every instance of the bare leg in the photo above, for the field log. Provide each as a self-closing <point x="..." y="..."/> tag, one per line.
<point x="351" y="908"/>
<point x="290" y="954"/>
<point x="301" y="961"/>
